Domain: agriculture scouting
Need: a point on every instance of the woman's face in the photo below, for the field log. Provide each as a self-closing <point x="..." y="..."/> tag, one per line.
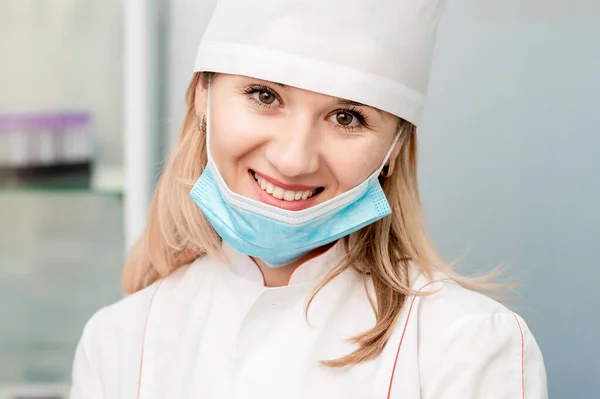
<point x="289" y="147"/>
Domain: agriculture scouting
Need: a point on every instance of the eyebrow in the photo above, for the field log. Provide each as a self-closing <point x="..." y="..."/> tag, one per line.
<point x="339" y="101"/>
<point x="284" y="87"/>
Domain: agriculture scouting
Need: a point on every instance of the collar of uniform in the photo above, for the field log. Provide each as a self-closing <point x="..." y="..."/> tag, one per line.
<point x="311" y="270"/>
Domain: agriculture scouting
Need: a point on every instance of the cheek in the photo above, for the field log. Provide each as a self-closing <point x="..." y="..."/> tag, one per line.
<point x="351" y="170"/>
<point x="231" y="135"/>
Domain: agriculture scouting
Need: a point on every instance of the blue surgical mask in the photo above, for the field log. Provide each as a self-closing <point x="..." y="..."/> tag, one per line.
<point x="279" y="236"/>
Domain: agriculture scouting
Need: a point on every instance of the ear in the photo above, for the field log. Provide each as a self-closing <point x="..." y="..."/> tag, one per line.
<point x="201" y="96"/>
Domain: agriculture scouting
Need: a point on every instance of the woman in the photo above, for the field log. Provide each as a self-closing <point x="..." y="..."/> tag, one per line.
<point x="285" y="255"/>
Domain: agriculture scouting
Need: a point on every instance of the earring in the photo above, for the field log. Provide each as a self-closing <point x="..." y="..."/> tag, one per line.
<point x="385" y="171"/>
<point x="201" y="125"/>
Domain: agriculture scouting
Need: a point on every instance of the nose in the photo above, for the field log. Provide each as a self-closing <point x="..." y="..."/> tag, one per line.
<point x="294" y="152"/>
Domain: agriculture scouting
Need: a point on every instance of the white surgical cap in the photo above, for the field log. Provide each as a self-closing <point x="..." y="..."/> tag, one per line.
<point x="376" y="52"/>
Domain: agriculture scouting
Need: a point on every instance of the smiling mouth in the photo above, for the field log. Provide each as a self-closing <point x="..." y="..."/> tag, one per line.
<point x="283" y="194"/>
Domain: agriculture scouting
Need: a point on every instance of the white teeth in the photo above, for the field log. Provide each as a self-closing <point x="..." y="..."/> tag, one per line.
<point x="289" y="195"/>
<point x="270" y="188"/>
<point x="280" y="193"/>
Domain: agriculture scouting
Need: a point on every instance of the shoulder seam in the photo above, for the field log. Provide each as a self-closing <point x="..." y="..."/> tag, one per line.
<point x="139" y="389"/>
<point x="522" y="356"/>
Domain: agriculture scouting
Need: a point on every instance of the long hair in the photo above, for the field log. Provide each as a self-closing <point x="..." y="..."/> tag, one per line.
<point x="177" y="233"/>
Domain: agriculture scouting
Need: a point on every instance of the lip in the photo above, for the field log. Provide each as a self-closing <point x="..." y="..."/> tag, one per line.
<point x="268" y="199"/>
<point x="291" y="187"/>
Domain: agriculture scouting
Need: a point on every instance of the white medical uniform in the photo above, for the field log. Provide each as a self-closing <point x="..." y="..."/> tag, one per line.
<point x="213" y="331"/>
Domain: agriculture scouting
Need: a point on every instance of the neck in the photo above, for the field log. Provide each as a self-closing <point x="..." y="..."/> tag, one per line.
<point x="280" y="276"/>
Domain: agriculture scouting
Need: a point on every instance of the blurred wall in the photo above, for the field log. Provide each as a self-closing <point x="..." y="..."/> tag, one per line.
<point x="510" y="159"/>
<point x="61" y="253"/>
<point x="184" y="28"/>
<point x="511" y="165"/>
<point x="61" y="256"/>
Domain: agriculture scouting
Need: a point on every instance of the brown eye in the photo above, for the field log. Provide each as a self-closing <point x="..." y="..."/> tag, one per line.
<point x="266" y="98"/>
<point x="344" y="118"/>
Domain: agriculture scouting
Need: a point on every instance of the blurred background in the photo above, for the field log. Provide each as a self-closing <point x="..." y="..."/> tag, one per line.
<point x="92" y="96"/>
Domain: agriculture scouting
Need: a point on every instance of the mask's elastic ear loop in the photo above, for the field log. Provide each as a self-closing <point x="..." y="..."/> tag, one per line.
<point x="204" y="122"/>
<point x="383" y="169"/>
<point x="207" y="124"/>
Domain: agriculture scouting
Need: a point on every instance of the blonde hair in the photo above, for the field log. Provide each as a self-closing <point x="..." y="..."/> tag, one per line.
<point x="177" y="233"/>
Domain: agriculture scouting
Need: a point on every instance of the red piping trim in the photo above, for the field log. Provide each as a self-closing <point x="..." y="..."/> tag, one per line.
<point x="389" y="395"/>
<point x="522" y="358"/>
<point x="144" y="341"/>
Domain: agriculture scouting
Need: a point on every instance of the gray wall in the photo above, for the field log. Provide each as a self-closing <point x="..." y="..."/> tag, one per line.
<point x="61" y="255"/>
<point x="510" y="165"/>
<point x="509" y="159"/>
<point x="185" y="25"/>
